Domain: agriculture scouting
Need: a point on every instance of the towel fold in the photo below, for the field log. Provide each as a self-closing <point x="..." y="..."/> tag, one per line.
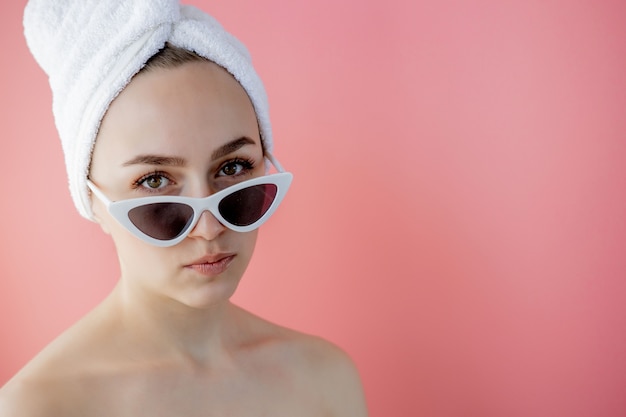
<point x="90" y="50"/>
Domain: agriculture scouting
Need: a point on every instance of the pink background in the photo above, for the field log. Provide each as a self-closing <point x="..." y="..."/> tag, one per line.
<point x="457" y="220"/>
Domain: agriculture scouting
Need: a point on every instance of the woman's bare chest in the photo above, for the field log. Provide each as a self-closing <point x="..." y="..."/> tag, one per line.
<point x="198" y="394"/>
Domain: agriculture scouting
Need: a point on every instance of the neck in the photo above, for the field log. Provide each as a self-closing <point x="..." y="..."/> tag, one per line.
<point x="169" y="329"/>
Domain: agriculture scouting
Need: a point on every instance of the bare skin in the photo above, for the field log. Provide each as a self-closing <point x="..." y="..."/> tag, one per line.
<point x="167" y="341"/>
<point x="97" y="369"/>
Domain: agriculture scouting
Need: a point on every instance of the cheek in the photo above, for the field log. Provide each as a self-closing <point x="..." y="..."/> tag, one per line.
<point x="137" y="258"/>
<point x="129" y="248"/>
<point x="247" y="243"/>
<point x="248" y="239"/>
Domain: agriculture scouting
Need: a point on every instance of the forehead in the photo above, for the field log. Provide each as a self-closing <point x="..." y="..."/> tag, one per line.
<point x="182" y="110"/>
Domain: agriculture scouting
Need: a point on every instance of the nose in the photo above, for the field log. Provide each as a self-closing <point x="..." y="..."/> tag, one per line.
<point x="208" y="227"/>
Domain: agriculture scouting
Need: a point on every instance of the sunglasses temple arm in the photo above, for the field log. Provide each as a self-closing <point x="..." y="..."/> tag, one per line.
<point x="98" y="193"/>
<point x="274" y="162"/>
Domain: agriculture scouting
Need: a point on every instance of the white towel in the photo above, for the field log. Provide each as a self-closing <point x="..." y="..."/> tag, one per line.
<point x="90" y="50"/>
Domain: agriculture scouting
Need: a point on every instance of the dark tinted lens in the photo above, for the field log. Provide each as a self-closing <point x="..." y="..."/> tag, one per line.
<point x="163" y="221"/>
<point x="246" y="206"/>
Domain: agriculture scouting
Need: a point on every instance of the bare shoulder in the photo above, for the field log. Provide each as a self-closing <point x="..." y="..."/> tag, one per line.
<point x="49" y="385"/>
<point x="52" y="383"/>
<point x="317" y="365"/>
<point x="334" y="375"/>
<point x="29" y="395"/>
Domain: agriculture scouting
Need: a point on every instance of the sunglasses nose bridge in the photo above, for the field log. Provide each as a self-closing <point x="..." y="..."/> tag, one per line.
<point x="208" y="205"/>
<point x="207" y="225"/>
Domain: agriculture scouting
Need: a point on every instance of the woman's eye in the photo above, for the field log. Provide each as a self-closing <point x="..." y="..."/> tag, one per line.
<point x="154" y="182"/>
<point x="235" y="167"/>
<point x="231" y="169"/>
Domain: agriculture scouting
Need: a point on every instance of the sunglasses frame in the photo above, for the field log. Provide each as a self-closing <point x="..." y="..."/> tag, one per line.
<point x="120" y="209"/>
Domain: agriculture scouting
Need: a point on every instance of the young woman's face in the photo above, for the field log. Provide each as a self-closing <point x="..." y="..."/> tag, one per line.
<point x="189" y="131"/>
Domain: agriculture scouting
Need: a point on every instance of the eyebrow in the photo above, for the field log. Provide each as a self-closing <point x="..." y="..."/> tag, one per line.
<point x="156" y="160"/>
<point x="162" y="160"/>
<point x="231" y="147"/>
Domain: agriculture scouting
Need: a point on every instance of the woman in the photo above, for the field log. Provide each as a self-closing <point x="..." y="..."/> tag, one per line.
<point x="169" y="151"/>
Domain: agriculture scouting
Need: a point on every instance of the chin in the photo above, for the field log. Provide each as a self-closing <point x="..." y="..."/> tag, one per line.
<point x="210" y="294"/>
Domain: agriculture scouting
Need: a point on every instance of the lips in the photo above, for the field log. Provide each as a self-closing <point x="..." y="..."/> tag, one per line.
<point x="211" y="265"/>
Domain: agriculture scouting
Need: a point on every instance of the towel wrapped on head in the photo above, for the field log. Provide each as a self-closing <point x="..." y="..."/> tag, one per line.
<point x="90" y="50"/>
